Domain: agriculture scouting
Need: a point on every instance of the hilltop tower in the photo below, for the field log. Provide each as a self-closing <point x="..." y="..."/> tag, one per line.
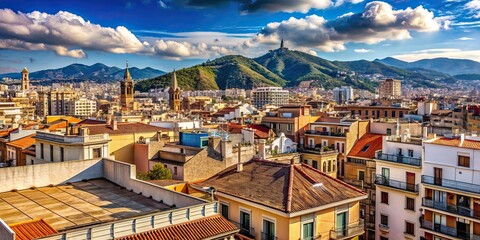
<point x="25" y="80"/>
<point x="281" y="44"/>
<point x="126" y="90"/>
<point x="174" y="93"/>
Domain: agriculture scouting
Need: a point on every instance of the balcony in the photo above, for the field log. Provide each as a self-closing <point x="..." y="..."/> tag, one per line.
<point x="398" y="159"/>
<point x="452" y="184"/>
<point x="409" y="187"/>
<point x="450" y="231"/>
<point x="349" y="231"/>
<point x="317" y="150"/>
<point x="322" y="133"/>
<point x="268" y="236"/>
<point x="443" y="206"/>
<point x="248" y="232"/>
<point x="384" y="228"/>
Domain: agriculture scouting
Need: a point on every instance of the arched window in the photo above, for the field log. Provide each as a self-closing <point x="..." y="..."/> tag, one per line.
<point x="334" y="165"/>
<point x="329" y="166"/>
<point x="324" y="167"/>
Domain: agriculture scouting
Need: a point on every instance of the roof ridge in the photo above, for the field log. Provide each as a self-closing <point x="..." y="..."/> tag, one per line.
<point x="290" y="189"/>
<point x="308" y="177"/>
<point x="334" y="179"/>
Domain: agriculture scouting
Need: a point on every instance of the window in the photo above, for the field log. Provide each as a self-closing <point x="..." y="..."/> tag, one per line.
<point x="366" y="113"/>
<point x="365" y="148"/>
<point x="384" y="198"/>
<point x="410" y="204"/>
<point x="383" y="238"/>
<point x="334" y="166"/>
<point x="268" y="230"/>
<point x="384" y="220"/>
<point x="410" y="228"/>
<point x="51" y="153"/>
<point x="315" y="164"/>
<point x="464" y="161"/>
<point x="62" y="154"/>
<point x="41" y="151"/>
<point x="175" y="171"/>
<point x="329" y="166"/>
<point x="361" y="175"/>
<point x="245" y="221"/>
<point x="393" y="114"/>
<point x="289" y="127"/>
<point x="389" y="131"/>
<point x="410" y="152"/>
<point x="324" y="167"/>
<point x="97" y="152"/>
<point x="307" y="230"/>
<point x="385" y="114"/>
<point x="305" y="161"/>
<point x="224" y="210"/>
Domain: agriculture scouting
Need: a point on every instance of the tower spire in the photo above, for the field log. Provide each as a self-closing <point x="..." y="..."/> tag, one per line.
<point x="127" y="75"/>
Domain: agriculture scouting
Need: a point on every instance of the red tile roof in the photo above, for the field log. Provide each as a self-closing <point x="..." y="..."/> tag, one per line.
<point x="32" y="230"/>
<point x="360" y="149"/>
<point x="124" y="128"/>
<point x="23" y="143"/>
<point x="90" y="122"/>
<point x="209" y="227"/>
<point x="455" y="142"/>
<point x="284" y="187"/>
<point x="261" y="131"/>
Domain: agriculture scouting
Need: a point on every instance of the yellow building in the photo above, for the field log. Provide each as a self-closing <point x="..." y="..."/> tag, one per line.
<point x="271" y="200"/>
<point x="325" y="161"/>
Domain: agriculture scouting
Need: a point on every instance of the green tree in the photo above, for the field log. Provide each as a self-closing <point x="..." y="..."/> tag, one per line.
<point x="158" y="172"/>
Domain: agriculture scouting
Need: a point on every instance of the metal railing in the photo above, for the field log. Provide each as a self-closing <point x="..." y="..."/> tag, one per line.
<point x="317" y="150"/>
<point x="448" y="230"/>
<point x="324" y="133"/>
<point x="463" y="186"/>
<point x="349" y="231"/>
<point x="398" y="158"/>
<point x="244" y="230"/>
<point x="460" y="210"/>
<point x="381" y="180"/>
<point x="268" y="236"/>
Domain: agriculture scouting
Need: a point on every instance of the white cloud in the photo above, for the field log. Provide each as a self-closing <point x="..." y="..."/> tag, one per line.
<point x="474" y="7"/>
<point x="70" y="35"/>
<point x="465" y="39"/>
<point x="378" y="22"/>
<point x="340" y="2"/>
<point x="362" y="50"/>
<point x="162" y="4"/>
<point x="440" y="53"/>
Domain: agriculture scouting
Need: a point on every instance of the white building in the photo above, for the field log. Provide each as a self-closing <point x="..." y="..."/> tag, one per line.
<point x="451" y="183"/>
<point x="270" y="96"/>
<point x="343" y="95"/>
<point x="82" y="107"/>
<point x="398" y="196"/>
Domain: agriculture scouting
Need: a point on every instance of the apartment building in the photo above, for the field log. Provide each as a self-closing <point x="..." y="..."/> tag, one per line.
<point x="333" y="134"/>
<point x="285" y="201"/>
<point x="55" y="102"/>
<point x="291" y="120"/>
<point x="373" y="112"/>
<point x="471" y="117"/>
<point x="270" y="96"/>
<point x="451" y="182"/>
<point x="390" y="88"/>
<point x="398" y="196"/>
<point x="81" y="107"/>
<point x="343" y="95"/>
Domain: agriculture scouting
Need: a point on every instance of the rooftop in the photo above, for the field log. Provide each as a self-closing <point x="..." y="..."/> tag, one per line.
<point x="457" y="142"/>
<point x="78" y="204"/>
<point x="24" y="142"/>
<point x="367" y="146"/>
<point x="32" y="230"/>
<point x="123" y="128"/>
<point x="288" y="188"/>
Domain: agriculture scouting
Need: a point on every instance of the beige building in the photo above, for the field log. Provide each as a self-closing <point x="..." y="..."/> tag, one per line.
<point x="390" y="88"/>
<point x="270" y="96"/>
<point x="82" y="107"/>
<point x="55" y="102"/>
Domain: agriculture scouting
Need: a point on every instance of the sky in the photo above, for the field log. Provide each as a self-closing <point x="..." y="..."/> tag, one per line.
<point x="172" y="34"/>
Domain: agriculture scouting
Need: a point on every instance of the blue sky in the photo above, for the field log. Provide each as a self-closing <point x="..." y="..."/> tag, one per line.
<point x="170" y="34"/>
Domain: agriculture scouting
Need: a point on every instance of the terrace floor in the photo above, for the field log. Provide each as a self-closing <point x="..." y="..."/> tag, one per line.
<point x="75" y="205"/>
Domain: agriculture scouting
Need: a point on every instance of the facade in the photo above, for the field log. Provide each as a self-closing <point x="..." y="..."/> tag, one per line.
<point x="390" y="88"/>
<point x="398" y="195"/>
<point x="343" y="95"/>
<point x="126" y="90"/>
<point x="471" y="117"/>
<point x="25" y="80"/>
<point x="286" y="201"/>
<point x="451" y="183"/>
<point x="55" y="102"/>
<point x="17" y="150"/>
<point x="446" y="121"/>
<point x="174" y="94"/>
<point x="374" y="112"/>
<point x="269" y="96"/>
<point x="82" y="107"/>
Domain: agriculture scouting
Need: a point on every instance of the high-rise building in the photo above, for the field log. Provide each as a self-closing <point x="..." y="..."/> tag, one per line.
<point x="174" y="93"/>
<point x="126" y="90"/>
<point x="55" y="102"/>
<point x="82" y="107"/>
<point x="25" y="80"/>
<point x="390" y="88"/>
<point x="343" y="95"/>
<point x="269" y="96"/>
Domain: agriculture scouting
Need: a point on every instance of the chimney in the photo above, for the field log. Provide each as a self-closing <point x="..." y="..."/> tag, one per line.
<point x="425" y="132"/>
<point x="462" y="138"/>
<point x="114" y="124"/>
<point x="239" y="164"/>
<point x="261" y="149"/>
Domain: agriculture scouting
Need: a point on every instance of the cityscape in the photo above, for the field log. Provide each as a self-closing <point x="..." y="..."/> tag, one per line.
<point x="245" y="120"/>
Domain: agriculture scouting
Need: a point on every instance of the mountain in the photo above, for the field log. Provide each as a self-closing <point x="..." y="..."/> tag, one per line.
<point x="283" y="67"/>
<point x="96" y="72"/>
<point x="443" y="65"/>
<point x="226" y="72"/>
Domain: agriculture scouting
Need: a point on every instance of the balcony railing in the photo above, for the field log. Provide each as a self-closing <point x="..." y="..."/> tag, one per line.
<point x="317" y="150"/>
<point x="450" y="231"/>
<point x="464" y="211"/>
<point x="398" y="159"/>
<point x="447" y="183"/>
<point x="268" y="236"/>
<point x="349" y="231"/>
<point x="381" y="180"/>
<point x="322" y="133"/>
<point x="244" y="230"/>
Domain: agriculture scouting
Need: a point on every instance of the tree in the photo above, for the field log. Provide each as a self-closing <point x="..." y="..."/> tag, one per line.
<point x="158" y="172"/>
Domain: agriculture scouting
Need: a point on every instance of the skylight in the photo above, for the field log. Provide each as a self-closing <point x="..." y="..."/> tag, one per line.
<point x="365" y="148"/>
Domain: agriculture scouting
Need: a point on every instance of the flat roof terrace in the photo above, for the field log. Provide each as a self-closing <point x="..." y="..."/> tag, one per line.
<point x="74" y="205"/>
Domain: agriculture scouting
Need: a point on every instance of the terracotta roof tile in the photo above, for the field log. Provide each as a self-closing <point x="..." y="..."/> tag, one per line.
<point x="209" y="227"/>
<point x="32" y="230"/>
<point x="455" y="142"/>
<point x="281" y="186"/>
<point x="367" y="146"/>
<point x="23" y="143"/>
